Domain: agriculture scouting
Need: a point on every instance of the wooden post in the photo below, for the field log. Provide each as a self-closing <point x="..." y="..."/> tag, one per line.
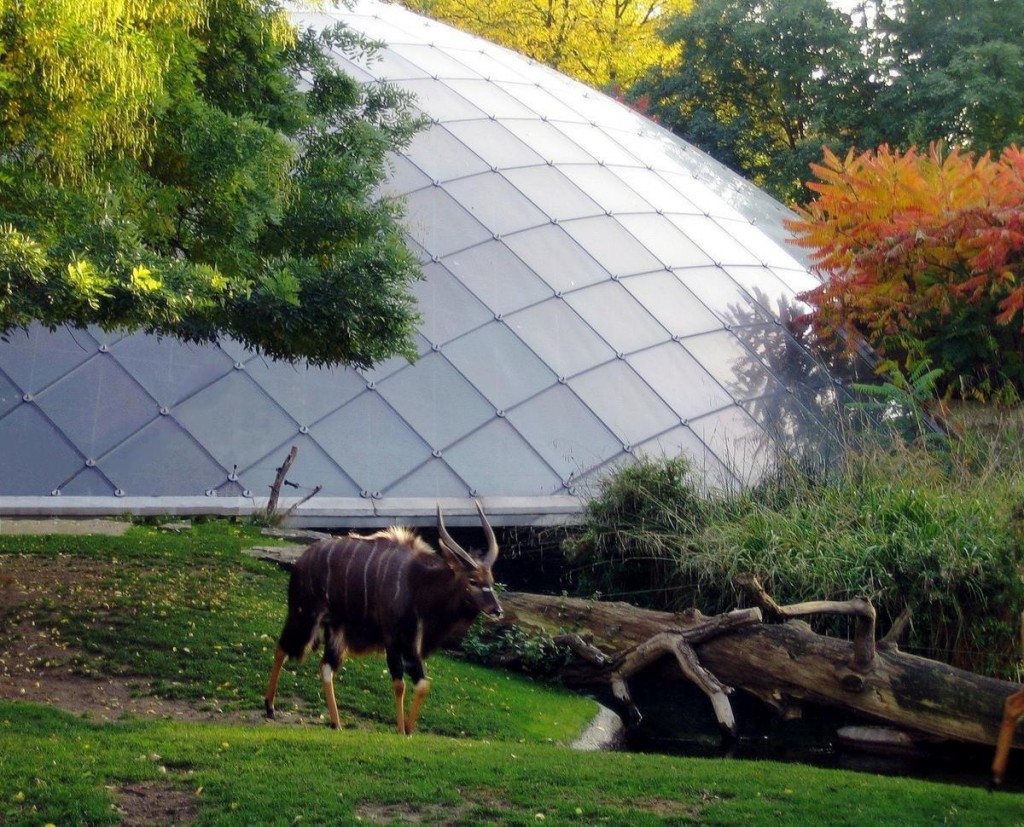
<point x="275" y="489"/>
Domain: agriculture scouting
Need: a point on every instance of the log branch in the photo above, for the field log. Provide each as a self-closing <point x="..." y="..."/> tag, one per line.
<point x="859" y="608"/>
<point x="678" y="642"/>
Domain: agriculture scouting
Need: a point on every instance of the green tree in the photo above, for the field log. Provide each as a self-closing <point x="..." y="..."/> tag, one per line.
<point x="955" y="70"/>
<point x="199" y="169"/>
<point x="605" y="43"/>
<point x="762" y="86"/>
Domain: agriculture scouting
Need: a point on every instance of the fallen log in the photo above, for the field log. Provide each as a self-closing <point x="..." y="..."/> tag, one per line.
<point x="784" y="664"/>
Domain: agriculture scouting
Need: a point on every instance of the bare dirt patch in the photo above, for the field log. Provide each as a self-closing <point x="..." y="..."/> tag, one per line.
<point x="37" y="665"/>
<point x="155" y="805"/>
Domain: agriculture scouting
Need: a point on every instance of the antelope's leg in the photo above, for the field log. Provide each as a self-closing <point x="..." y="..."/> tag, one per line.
<point x="334" y="652"/>
<point x="275" y="673"/>
<point x="397" y="669"/>
<point x="414" y="666"/>
<point x="1012" y="713"/>
<point x="419" y="695"/>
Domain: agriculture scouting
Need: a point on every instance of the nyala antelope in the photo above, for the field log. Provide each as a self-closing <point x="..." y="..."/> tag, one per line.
<point x="390" y="591"/>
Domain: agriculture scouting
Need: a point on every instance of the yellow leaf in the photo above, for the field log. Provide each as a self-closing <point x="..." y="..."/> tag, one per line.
<point x="144" y="280"/>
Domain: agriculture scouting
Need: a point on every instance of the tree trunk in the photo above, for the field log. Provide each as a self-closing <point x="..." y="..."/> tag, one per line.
<point x="783" y="664"/>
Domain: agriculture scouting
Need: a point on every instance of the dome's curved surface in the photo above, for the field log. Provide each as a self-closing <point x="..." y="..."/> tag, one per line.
<point x="594" y="289"/>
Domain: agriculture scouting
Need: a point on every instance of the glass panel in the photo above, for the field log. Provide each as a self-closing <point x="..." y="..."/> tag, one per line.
<point x="658" y="189"/>
<point x="560" y="337"/>
<point x="548" y="188"/>
<point x="499" y="365"/>
<point x="433" y="479"/>
<point x="433" y="61"/>
<point x="497" y="277"/>
<point x="10" y="396"/>
<point x="234" y="420"/>
<point x="738" y="442"/>
<point x="403" y="177"/>
<point x="598" y="143"/>
<point x="567" y="434"/>
<point x="448" y="308"/>
<point x="36" y="456"/>
<point x="624" y="402"/>
<point x="665" y="240"/>
<point x="491" y="141"/>
<point x="382" y="370"/>
<point x="606" y="189"/>
<point x="722" y="295"/>
<point x="34" y="359"/>
<point x="490" y="99"/>
<point x="371" y="442"/>
<point x="312" y="467"/>
<point x="374" y="26"/>
<point x="88" y="483"/>
<point x="548" y="142"/>
<point x="185" y="468"/>
<point x="798" y="431"/>
<point x="736" y="368"/>
<point x="798" y="281"/>
<point x="766" y="249"/>
<point x="794" y="366"/>
<point x="606" y="240"/>
<point x="713" y="240"/>
<point x="435" y="220"/>
<point x="672" y="304"/>
<point x="495" y="203"/>
<point x="682" y="441"/>
<point x="443" y="157"/>
<point x="680" y="380"/>
<point x="617" y="317"/>
<point x="439" y="102"/>
<point x="387" y="64"/>
<point x="169" y="370"/>
<point x="307" y="393"/>
<point x="600" y="109"/>
<point x="497" y="461"/>
<point x="704" y="200"/>
<point x="436" y="401"/>
<point x="767" y="291"/>
<point x="563" y="264"/>
<point x="97" y="405"/>
<point x="541" y="101"/>
<point x="486" y="64"/>
<point x="655" y="147"/>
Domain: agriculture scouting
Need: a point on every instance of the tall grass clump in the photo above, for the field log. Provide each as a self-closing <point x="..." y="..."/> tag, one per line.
<point x="940" y="531"/>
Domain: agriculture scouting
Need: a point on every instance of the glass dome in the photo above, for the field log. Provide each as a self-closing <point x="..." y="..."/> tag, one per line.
<point x="595" y="290"/>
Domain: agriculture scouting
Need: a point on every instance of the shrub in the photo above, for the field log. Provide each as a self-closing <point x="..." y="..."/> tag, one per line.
<point x="939" y="531"/>
<point x="924" y="258"/>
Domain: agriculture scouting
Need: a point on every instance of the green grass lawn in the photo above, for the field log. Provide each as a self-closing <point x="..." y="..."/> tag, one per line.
<point x="193" y="615"/>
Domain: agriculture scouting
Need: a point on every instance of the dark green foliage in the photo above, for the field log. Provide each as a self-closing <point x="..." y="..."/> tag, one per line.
<point x="934" y="530"/>
<point x="957" y="71"/>
<point x="510" y="646"/>
<point x="763" y="86"/>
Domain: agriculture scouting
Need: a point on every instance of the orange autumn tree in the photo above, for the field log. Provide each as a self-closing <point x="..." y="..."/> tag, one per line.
<point x="923" y="256"/>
